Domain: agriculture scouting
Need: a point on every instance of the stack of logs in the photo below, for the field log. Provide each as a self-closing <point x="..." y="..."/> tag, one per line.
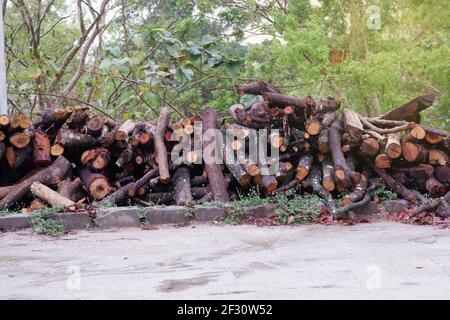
<point x="70" y="155"/>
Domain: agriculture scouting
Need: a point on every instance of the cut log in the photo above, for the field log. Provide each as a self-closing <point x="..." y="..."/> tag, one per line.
<point x="443" y="174"/>
<point x="357" y="193"/>
<point x="160" y="147"/>
<point x="41" y="150"/>
<point x="352" y="123"/>
<point x="414" y="152"/>
<point x="2" y="150"/>
<point x="50" y="196"/>
<point x="313" y="126"/>
<point x="96" y="159"/>
<point x="48" y="176"/>
<point x="323" y="141"/>
<point x="182" y="186"/>
<point x="418" y="132"/>
<point x="214" y="171"/>
<point x="56" y="150"/>
<point x="383" y="161"/>
<point x="431" y="205"/>
<point x="124" y="130"/>
<point x="370" y="147"/>
<point x="18" y="157"/>
<point x="269" y="182"/>
<point x="19" y="139"/>
<point x="438" y="157"/>
<point x="97" y="184"/>
<point x="21" y="121"/>
<point x="393" y="146"/>
<point x="303" y="167"/>
<point x="327" y="173"/>
<point x="4" y="121"/>
<point x="95" y="126"/>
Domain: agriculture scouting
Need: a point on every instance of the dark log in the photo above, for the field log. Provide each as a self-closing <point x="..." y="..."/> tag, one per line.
<point x="160" y="147"/>
<point x="18" y="157"/>
<point x="144" y="180"/>
<point x="78" y="118"/>
<point x="431" y="205"/>
<point x="342" y="172"/>
<point x="125" y="156"/>
<point x="315" y="182"/>
<point x="280" y="100"/>
<point x="434" y="187"/>
<point x="214" y="171"/>
<point x="410" y="110"/>
<point x="115" y="197"/>
<point x="70" y="189"/>
<point x="256" y="88"/>
<point x="48" y="176"/>
<point x="70" y="139"/>
<point x="96" y="184"/>
<point x="2" y="150"/>
<point x="108" y="139"/>
<point x="442" y="173"/>
<point x="394" y="185"/>
<point x="438" y="157"/>
<point x="41" y="150"/>
<point x="303" y="167"/>
<point x="235" y="168"/>
<point x="95" y="126"/>
<point x="357" y="193"/>
<point x="182" y="186"/>
<point x="352" y="123"/>
<point x="326" y="105"/>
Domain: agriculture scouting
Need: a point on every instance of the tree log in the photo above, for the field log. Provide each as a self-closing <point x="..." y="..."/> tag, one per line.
<point x="370" y="147"/>
<point x="315" y="182"/>
<point x="50" y="196"/>
<point x="160" y="147"/>
<point x="214" y="171"/>
<point x="125" y="129"/>
<point x="144" y="180"/>
<point x="414" y="152"/>
<point x="41" y="150"/>
<point x="393" y="146"/>
<point x="438" y="157"/>
<point x="394" y="185"/>
<point x="70" y="189"/>
<point x="97" y="184"/>
<point x="256" y="88"/>
<point x="303" y="167"/>
<point x="383" y="161"/>
<point x="70" y="139"/>
<point x="352" y="123"/>
<point x="48" y="176"/>
<point x="182" y="186"/>
<point x="327" y="173"/>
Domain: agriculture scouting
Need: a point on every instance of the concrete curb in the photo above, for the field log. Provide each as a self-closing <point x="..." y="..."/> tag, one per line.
<point x="73" y="220"/>
<point x="125" y="217"/>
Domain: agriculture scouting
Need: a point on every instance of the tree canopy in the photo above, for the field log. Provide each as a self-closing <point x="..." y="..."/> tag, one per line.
<point x="130" y="58"/>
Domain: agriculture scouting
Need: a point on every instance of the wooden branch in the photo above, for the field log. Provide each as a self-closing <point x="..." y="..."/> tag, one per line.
<point x="214" y="171"/>
<point x="160" y="147"/>
<point x="50" y="196"/>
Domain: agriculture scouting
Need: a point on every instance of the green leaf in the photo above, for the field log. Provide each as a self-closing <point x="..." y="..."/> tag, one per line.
<point x="214" y="60"/>
<point x="152" y="99"/>
<point x="207" y="40"/>
<point x="233" y="69"/>
<point x="248" y="99"/>
<point x="175" y="49"/>
<point x="184" y="74"/>
<point x="193" y="48"/>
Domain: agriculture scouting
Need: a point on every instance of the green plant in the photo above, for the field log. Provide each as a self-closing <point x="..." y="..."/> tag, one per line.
<point x="44" y="222"/>
<point x="383" y="194"/>
<point x="143" y="215"/>
<point x="7" y="212"/>
<point x="297" y="208"/>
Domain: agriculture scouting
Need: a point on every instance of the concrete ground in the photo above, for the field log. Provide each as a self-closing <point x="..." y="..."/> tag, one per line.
<point x="205" y="261"/>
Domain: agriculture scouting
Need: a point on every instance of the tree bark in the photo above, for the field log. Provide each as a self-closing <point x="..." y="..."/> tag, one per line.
<point x="160" y="147"/>
<point x="50" y="196"/>
<point x="182" y="186"/>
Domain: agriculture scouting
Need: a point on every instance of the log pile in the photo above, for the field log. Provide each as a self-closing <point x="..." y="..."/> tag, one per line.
<point x="69" y="155"/>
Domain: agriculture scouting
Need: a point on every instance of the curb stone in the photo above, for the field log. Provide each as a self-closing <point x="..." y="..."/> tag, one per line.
<point x="118" y="217"/>
<point x="261" y="211"/>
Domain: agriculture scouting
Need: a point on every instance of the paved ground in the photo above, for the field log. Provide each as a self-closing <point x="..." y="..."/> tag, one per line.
<point x="379" y="260"/>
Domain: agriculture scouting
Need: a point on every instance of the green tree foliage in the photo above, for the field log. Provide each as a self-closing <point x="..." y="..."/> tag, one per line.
<point x="373" y="55"/>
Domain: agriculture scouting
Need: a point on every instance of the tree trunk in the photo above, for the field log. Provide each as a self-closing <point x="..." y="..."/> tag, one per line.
<point x="97" y="184"/>
<point x="160" y="147"/>
<point x="50" y="196"/>
<point x="182" y="186"/>
<point x="214" y="171"/>
<point x="48" y="176"/>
